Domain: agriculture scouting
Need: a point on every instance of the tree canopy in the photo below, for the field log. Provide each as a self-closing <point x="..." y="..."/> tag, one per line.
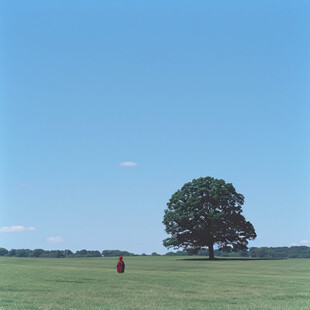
<point x="205" y="212"/>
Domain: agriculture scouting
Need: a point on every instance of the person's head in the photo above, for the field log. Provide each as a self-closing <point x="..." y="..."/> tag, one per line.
<point x="121" y="257"/>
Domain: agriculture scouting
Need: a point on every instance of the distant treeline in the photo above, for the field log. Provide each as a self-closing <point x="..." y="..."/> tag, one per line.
<point x="62" y="253"/>
<point x="254" y="252"/>
<point x="262" y="252"/>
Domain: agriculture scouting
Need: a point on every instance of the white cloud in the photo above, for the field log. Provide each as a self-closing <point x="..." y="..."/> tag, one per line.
<point x="128" y="164"/>
<point x="305" y="242"/>
<point x="55" y="239"/>
<point x="15" y="228"/>
<point x="294" y="244"/>
<point x="302" y="242"/>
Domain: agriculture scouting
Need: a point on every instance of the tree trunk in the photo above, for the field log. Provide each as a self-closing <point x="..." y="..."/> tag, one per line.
<point x="211" y="252"/>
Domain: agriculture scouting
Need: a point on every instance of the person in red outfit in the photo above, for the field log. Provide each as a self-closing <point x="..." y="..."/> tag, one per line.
<point x="120" y="267"/>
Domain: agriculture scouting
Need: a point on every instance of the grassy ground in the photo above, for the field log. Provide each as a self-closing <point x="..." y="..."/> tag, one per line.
<point x="154" y="283"/>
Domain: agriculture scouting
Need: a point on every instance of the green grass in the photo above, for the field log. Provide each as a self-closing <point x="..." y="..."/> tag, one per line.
<point x="154" y="283"/>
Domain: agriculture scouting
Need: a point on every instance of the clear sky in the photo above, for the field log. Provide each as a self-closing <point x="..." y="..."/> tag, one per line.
<point x="181" y="89"/>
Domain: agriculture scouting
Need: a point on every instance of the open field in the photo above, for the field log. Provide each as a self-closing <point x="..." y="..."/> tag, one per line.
<point x="154" y="283"/>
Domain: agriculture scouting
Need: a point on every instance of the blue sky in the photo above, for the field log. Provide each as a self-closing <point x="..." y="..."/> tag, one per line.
<point x="182" y="89"/>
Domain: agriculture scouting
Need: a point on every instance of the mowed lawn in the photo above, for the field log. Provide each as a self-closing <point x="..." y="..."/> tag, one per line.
<point x="154" y="283"/>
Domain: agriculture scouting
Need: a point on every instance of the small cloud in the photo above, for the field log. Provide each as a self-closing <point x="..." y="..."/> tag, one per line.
<point x="302" y="242"/>
<point x="55" y="239"/>
<point x="305" y="242"/>
<point x="128" y="164"/>
<point x="16" y="228"/>
<point x="24" y="185"/>
<point x="294" y="244"/>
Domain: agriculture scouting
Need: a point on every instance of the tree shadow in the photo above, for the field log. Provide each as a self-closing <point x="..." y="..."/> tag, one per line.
<point x="233" y="259"/>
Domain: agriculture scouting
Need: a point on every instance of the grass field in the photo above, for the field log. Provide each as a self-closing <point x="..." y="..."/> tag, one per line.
<point x="154" y="283"/>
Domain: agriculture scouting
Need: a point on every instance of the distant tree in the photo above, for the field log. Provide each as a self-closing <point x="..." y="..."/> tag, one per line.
<point x="3" y="252"/>
<point x="12" y="252"/>
<point x="243" y="253"/>
<point x="86" y="253"/>
<point x="203" y="252"/>
<point x="221" y="253"/>
<point x="23" y="253"/>
<point x="254" y="252"/>
<point x="45" y="254"/>
<point x="177" y="253"/>
<point x="280" y="252"/>
<point x="155" y="254"/>
<point x="206" y="212"/>
<point x="93" y="254"/>
<point x="57" y="254"/>
<point x="81" y="253"/>
<point x="37" y="252"/>
<point x="192" y="252"/>
<point x="68" y="253"/>
<point x="115" y="253"/>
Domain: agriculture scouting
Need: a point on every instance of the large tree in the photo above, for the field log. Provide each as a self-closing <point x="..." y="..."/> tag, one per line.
<point x="206" y="212"/>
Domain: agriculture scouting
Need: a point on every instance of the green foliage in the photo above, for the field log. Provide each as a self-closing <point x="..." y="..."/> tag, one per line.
<point x="37" y="252"/>
<point x="115" y="253"/>
<point x="85" y="253"/>
<point x="178" y="253"/>
<point x="68" y="253"/>
<point x="53" y="254"/>
<point x="204" y="212"/>
<point x="254" y="252"/>
<point x="3" y="252"/>
<point x="23" y="253"/>
<point x="280" y="252"/>
<point x="12" y="252"/>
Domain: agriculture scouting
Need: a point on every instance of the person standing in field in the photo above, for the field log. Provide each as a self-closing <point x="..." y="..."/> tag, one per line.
<point x="120" y="267"/>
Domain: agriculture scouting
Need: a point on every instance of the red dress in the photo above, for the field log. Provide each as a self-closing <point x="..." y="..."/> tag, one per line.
<point x="120" y="266"/>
